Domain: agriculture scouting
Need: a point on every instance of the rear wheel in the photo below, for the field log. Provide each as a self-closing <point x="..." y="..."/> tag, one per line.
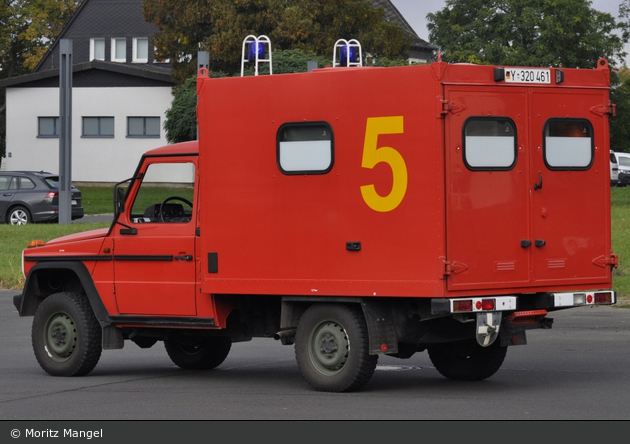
<point x="467" y="360"/>
<point x="197" y="352"/>
<point x="19" y="216"/>
<point x="66" y="335"/>
<point x="332" y="348"/>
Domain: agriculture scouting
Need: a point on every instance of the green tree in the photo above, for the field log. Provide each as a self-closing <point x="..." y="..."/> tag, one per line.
<point x="45" y="20"/>
<point x="620" y="124"/>
<point x="219" y="27"/>
<point x="561" y="33"/>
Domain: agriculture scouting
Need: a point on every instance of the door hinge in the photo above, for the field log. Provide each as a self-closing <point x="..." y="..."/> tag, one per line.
<point x="604" y="261"/>
<point x="453" y="267"/>
<point x="609" y="109"/>
<point x="450" y="107"/>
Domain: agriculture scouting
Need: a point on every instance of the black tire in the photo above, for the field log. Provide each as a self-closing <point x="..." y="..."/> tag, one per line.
<point x="467" y="360"/>
<point x="197" y="352"/>
<point x="332" y="348"/>
<point x="66" y="335"/>
<point x="18" y="216"/>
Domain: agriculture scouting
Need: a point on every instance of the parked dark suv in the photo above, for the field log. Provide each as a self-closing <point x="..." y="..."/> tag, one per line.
<point x="29" y="196"/>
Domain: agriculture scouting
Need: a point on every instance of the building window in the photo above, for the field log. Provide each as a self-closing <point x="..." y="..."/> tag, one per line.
<point x="97" y="49"/>
<point x="141" y="49"/>
<point x="119" y="50"/>
<point x="98" y="127"/>
<point x="48" y="127"/>
<point x="143" y="127"/>
<point x="305" y="148"/>
<point x="489" y="143"/>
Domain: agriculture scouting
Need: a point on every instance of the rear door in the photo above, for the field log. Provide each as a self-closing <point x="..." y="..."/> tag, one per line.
<point x="570" y="163"/>
<point x="487" y="187"/>
<point x="526" y="198"/>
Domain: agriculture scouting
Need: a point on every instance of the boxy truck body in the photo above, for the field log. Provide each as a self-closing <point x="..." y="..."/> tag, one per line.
<point x="355" y="212"/>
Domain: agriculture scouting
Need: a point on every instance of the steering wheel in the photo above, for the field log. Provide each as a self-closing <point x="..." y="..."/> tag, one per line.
<point x="168" y="199"/>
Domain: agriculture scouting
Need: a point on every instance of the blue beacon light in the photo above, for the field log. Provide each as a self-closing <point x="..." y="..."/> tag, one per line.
<point x="343" y="54"/>
<point x="252" y="50"/>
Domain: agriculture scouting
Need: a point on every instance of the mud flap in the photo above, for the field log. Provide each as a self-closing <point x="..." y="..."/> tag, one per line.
<point x="112" y="337"/>
<point x="488" y="328"/>
<point x="381" y="329"/>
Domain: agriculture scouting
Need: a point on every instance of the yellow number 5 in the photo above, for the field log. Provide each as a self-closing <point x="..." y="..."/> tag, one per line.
<point x="373" y="155"/>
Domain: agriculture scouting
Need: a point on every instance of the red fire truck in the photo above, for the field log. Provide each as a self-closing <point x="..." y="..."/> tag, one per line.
<point x="351" y="212"/>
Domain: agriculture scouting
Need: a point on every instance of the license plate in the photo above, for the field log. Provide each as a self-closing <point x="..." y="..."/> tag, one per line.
<point x="527" y="75"/>
<point x="74" y="202"/>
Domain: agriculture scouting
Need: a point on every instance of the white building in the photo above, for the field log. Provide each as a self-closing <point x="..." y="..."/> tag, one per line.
<point x="119" y="97"/>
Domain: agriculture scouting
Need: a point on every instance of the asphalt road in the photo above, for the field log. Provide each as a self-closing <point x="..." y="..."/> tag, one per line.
<point x="578" y="370"/>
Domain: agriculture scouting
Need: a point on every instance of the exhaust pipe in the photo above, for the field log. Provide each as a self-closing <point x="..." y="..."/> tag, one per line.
<point x="284" y="334"/>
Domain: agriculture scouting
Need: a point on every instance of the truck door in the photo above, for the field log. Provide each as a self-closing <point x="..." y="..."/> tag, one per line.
<point x="526" y="198"/>
<point x="570" y="171"/>
<point x="487" y="187"/>
<point x="154" y="243"/>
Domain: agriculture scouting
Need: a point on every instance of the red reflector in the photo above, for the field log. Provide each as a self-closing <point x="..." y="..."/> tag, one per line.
<point x="589" y="299"/>
<point x="384" y="348"/>
<point x="462" y="305"/>
<point x="527" y="317"/>
<point x="487" y="304"/>
<point x="602" y="298"/>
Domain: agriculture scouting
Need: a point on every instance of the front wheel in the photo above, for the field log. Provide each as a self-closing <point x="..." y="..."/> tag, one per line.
<point x="467" y="360"/>
<point x="332" y="348"/>
<point x="66" y="335"/>
<point x="192" y="352"/>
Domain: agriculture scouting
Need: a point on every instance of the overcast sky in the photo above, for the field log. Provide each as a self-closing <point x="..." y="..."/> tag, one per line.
<point x="415" y="12"/>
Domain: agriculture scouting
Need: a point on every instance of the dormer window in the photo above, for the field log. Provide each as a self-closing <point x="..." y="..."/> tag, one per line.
<point x="119" y="50"/>
<point x="97" y="49"/>
<point x="140" y="50"/>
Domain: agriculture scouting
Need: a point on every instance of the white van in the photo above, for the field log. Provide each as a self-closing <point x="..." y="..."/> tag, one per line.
<point x="614" y="170"/>
<point x="623" y="160"/>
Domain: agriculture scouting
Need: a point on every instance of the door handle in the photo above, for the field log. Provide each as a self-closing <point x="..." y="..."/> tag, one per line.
<point x="539" y="243"/>
<point x="187" y="257"/>
<point x="538" y="186"/>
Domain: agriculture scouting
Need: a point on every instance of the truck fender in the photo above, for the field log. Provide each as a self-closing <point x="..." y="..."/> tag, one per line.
<point x="381" y="330"/>
<point x="33" y="294"/>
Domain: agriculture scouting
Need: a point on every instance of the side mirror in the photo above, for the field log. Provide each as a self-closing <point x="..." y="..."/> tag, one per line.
<point x="119" y="200"/>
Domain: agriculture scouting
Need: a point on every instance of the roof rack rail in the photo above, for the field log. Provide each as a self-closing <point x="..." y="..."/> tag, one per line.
<point x="256" y="50"/>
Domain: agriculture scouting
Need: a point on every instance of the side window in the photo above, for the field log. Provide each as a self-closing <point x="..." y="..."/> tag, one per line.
<point x="48" y="127"/>
<point x="98" y="127"/>
<point x="165" y="194"/>
<point x="568" y="144"/>
<point x="305" y="148"/>
<point x="489" y="143"/>
<point x="26" y="183"/>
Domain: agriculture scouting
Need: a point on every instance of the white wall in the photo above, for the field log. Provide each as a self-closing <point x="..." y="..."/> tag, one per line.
<point x="93" y="159"/>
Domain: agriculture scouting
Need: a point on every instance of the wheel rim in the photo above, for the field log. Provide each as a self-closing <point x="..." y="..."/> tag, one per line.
<point x="18" y="218"/>
<point x="329" y="347"/>
<point x="190" y="346"/>
<point x="60" y="337"/>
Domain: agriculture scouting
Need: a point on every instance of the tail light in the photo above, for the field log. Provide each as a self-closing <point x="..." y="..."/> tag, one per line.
<point x="50" y="196"/>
